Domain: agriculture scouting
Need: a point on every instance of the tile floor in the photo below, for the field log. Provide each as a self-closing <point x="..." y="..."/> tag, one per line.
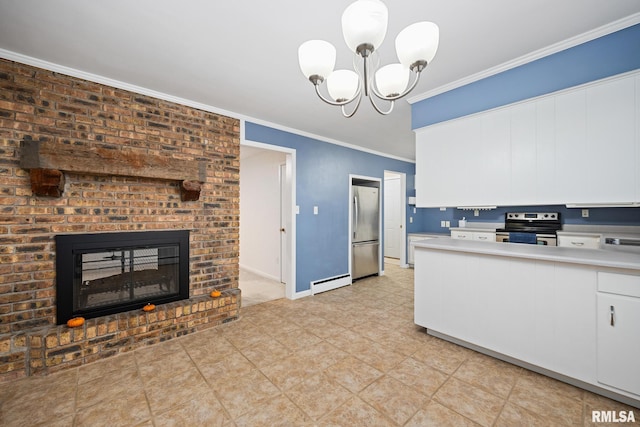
<point x="348" y="357"/>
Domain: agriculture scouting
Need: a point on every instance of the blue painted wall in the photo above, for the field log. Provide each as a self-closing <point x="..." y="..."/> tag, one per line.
<point x="322" y="179"/>
<point x="606" y="56"/>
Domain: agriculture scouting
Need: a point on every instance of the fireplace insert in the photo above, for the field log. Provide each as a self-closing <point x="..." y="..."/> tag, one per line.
<point x="107" y="273"/>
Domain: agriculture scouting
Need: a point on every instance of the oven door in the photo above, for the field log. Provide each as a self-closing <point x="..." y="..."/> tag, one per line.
<point x="541" y="239"/>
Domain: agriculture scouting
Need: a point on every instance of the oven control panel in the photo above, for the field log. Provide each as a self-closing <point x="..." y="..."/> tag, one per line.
<point x="533" y="216"/>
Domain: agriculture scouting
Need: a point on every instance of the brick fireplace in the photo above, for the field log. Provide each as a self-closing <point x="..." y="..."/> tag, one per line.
<point x="139" y="146"/>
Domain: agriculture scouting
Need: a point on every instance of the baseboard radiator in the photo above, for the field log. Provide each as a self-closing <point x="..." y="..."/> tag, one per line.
<point x="330" y="283"/>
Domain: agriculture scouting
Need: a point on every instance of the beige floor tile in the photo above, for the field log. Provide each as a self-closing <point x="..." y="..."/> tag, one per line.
<point x="546" y="398"/>
<point x="436" y="415"/>
<point x="469" y="401"/>
<point x="128" y="409"/>
<point x="380" y="357"/>
<point x="489" y="374"/>
<point x="277" y="411"/>
<point x="216" y="370"/>
<point x="512" y="415"/>
<point x="354" y="412"/>
<point x="297" y="339"/>
<point x="321" y="355"/>
<point x="164" y="393"/>
<point x="419" y="375"/>
<point x="444" y="359"/>
<point x="291" y="371"/>
<point x="394" y="399"/>
<point x="318" y="395"/>
<point x="244" y="393"/>
<point x="353" y="374"/>
<point x="122" y="362"/>
<point x="202" y="410"/>
<point x="110" y="386"/>
<point x="265" y="352"/>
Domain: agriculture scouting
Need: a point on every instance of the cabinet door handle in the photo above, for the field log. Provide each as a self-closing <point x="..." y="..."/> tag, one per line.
<point x="612" y="312"/>
<point x="577" y="243"/>
<point x="482" y="237"/>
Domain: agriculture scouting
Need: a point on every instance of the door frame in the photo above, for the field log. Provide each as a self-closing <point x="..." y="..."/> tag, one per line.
<point x="289" y="214"/>
<point x="403" y="217"/>
<point x="380" y="233"/>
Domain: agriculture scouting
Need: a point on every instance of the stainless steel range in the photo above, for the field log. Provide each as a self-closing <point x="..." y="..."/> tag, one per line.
<point x="536" y="228"/>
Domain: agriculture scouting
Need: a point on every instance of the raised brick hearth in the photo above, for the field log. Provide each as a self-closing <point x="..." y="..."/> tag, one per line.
<point x="61" y="111"/>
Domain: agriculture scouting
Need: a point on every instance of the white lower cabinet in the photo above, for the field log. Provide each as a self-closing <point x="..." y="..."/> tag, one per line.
<point x="583" y="240"/>
<point x="482" y="236"/>
<point x="534" y="311"/>
<point x="619" y="331"/>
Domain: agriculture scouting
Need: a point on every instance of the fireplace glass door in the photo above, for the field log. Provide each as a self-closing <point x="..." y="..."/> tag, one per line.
<point x="120" y="276"/>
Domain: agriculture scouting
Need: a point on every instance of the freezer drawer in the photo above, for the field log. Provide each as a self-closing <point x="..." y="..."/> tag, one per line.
<point x="364" y="259"/>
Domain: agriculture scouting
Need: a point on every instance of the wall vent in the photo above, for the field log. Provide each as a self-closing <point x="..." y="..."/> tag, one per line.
<point x="330" y="283"/>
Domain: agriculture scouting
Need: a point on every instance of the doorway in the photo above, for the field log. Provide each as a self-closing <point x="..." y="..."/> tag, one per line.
<point x="394" y="218"/>
<point x="267" y="226"/>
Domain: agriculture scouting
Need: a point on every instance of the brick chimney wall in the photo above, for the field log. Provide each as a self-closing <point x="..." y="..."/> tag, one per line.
<point x="37" y="104"/>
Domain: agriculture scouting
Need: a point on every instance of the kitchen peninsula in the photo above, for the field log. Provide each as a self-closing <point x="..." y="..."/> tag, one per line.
<point x="572" y="314"/>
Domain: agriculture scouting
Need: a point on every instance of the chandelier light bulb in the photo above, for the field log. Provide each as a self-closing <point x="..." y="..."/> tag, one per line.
<point x="417" y="42"/>
<point x="365" y="22"/>
<point x="392" y="79"/>
<point x="342" y="85"/>
<point x="316" y="58"/>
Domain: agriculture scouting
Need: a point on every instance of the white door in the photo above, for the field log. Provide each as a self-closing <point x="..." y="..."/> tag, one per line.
<point x="392" y="217"/>
<point x="285" y="203"/>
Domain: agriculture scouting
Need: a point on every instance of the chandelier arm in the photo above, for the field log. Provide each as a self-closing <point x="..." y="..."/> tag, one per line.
<point x="349" y="115"/>
<point x="379" y="110"/>
<point x="405" y="93"/>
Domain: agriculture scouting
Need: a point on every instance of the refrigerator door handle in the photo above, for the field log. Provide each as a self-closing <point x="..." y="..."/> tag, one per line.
<point x="355" y="217"/>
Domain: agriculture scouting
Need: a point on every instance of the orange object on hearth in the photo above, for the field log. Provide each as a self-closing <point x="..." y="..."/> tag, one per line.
<point x="75" y="322"/>
<point x="149" y="307"/>
<point x="215" y="294"/>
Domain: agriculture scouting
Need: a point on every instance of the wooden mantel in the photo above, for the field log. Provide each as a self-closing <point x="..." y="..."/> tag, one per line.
<point x="46" y="160"/>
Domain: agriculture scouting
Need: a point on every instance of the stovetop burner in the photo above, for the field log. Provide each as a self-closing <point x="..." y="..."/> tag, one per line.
<point x="539" y="223"/>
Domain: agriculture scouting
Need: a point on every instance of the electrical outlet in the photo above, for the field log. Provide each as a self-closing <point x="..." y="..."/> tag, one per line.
<point x="442" y="224"/>
<point x="476" y="212"/>
<point x="447" y="224"/>
<point x="410" y="220"/>
<point x="585" y="213"/>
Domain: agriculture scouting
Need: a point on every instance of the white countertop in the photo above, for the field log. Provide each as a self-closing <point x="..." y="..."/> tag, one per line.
<point x="595" y="257"/>
<point x="474" y="229"/>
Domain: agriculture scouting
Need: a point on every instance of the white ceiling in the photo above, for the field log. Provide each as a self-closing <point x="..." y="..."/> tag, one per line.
<point x="241" y="57"/>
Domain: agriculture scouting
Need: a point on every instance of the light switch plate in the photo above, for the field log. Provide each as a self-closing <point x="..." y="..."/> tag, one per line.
<point x="315" y="210"/>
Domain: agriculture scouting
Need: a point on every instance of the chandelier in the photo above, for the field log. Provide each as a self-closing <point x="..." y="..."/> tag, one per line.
<point x="364" y="26"/>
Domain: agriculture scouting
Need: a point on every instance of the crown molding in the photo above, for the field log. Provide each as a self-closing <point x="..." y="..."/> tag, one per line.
<point x="538" y="54"/>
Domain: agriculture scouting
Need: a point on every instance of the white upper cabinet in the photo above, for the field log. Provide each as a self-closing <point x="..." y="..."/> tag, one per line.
<point x="547" y="192"/>
<point x="571" y="146"/>
<point x="524" y="153"/>
<point x="580" y="146"/>
<point x="611" y="142"/>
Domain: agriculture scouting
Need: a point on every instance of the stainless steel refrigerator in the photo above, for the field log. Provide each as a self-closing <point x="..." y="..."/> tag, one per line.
<point x="365" y="243"/>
